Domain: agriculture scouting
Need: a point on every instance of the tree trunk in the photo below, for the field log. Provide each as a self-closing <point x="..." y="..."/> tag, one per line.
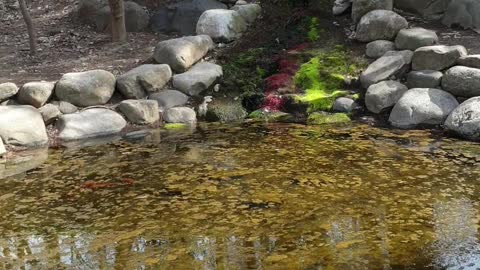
<point x="119" y="32"/>
<point x="30" y="28"/>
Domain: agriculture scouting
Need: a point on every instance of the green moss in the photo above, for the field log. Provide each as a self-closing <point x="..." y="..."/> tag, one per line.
<point x="313" y="32"/>
<point x="170" y="126"/>
<point x="323" y="78"/>
<point x="325" y="118"/>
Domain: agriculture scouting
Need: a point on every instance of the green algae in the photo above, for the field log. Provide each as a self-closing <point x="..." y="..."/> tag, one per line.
<point x="318" y="118"/>
<point x="323" y="78"/>
<point x="278" y="117"/>
<point x="172" y="126"/>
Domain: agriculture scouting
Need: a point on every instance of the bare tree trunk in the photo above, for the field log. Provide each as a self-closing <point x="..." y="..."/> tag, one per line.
<point x="119" y="32"/>
<point x="30" y="28"/>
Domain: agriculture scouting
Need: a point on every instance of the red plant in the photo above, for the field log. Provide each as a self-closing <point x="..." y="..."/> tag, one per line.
<point x="273" y="103"/>
<point x="277" y="81"/>
<point x="298" y="48"/>
<point x="287" y="66"/>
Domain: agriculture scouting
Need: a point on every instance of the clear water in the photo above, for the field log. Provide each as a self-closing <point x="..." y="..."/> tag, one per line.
<point x="246" y="197"/>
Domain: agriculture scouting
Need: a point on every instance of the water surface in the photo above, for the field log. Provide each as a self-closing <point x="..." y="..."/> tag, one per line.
<point x="246" y="197"/>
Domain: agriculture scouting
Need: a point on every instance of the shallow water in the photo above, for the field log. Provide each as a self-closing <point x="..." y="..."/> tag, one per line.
<point x="247" y="197"/>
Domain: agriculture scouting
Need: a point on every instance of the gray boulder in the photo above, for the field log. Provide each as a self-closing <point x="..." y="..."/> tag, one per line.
<point x="362" y="7"/>
<point x="49" y="113"/>
<point x="183" y="115"/>
<point x="414" y="38"/>
<point x="470" y="61"/>
<point x="141" y="112"/>
<point x="378" y="48"/>
<point x="465" y="119"/>
<point x="221" y="25"/>
<point x="345" y="105"/>
<point x="341" y="6"/>
<point x="249" y="12"/>
<point x="422" y="106"/>
<point x="438" y="57"/>
<point x="35" y="93"/>
<point x="140" y="81"/>
<point x="65" y="107"/>
<point x="167" y="99"/>
<point x="383" y="95"/>
<point x="186" y="14"/>
<point x="136" y="17"/>
<point x="425" y="8"/>
<point x="94" y="122"/>
<point x="424" y="79"/>
<point x="198" y="79"/>
<point x="465" y="13"/>
<point x="89" y="88"/>
<point x="181" y="53"/>
<point x="392" y="64"/>
<point x="462" y="81"/>
<point x="22" y="126"/>
<point x="7" y="90"/>
<point x="380" y="25"/>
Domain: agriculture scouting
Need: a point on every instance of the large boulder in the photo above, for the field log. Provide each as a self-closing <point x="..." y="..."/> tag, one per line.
<point x="380" y="25"/>
<point x="462" y="81"/>
<point x="182" y="115"/>
<point x="186" y="13"/>
<point x="423" y="7"/>
<point x="465" y="119"/>
<point x="97" y="13"/>
<point x="7" y="90"/>
<point x="140" y="81"/>
<point x="470" y="61"/>
<point x="391" y="64"/>
<point x="438" y="57"/>
<point x="384" y="95"/>
<point x="362" y="7"/>
<point x="167" y="99"/>
<point x="181" y="53"/>
<point x="465" y="13"/>
<point x="249" y="12"/>
<point x="414" y="38"/>
<point x="378" y="48"/>
<point x="422" y="106"/>
<point x="94" y="87"/>
<point x="94" y="122"/>
<point x="35" y="93"/>
<point x="141" y="112"/>
<point x="221" y="25"/>
<point x="22" y="126"/>
<point x="424" y="79"/>
<point x="198" y="79"/>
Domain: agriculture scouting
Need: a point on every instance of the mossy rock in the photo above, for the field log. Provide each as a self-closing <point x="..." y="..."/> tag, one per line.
<point x="322" y="118"/>
<point x="225" y="111"/>
<point x="276" y="117"/>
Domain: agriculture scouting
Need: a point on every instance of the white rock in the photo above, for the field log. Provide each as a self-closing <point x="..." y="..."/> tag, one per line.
<point x="35" y="93"/>
<point x="221" y="25"/>
<point x="183" y="115"/>
<point x="140" y="81"/>
<point x="199" y="78"/>
<point x="384" y="95"/>
<point x="141" y="112"/>
<point x="7" y="90"/>
<point x="22" y="126"/>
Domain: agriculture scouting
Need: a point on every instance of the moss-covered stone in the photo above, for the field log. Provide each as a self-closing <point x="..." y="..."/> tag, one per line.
<point x="321" y="118"/>
<point x="278" y="117"/>
<point x="225" y="111"/>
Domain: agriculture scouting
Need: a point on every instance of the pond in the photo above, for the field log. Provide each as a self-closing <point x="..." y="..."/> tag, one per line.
<point x="251" y="196"/>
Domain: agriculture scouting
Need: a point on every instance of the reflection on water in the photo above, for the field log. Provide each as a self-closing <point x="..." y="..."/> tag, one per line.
<point x="250" y="197"/>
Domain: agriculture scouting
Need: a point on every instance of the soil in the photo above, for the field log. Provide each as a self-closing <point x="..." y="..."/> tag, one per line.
<point x="66" y="46"/>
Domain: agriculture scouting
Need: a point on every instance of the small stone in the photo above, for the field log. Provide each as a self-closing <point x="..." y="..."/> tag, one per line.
<point x="378" y="48"/>
<point x="141" y="112"/>
<point x="198" y="79"/>
<point x="462" y="81"/>
<point x="7" y="90"/>
<point x="380" y="25"/>
<point x="414" y="38"/>
<point x="49" y="113"/>
<point x="343" y="104"/>
<point x="472" y="61"/>
<point x="393" y="63"/>
<point x="35" y="93"/>
<point x="180" y="115"/>
<point x="438" y="57"/>
<point x="341" y="6"/>
<point x="169" y="98"/>
<point x="65" y="107"/>
<point x="424" y="79"/>
<point x="384" y="95"/>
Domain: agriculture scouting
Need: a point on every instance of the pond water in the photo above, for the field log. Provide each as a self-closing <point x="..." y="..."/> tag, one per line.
<point x="247" y="197"/>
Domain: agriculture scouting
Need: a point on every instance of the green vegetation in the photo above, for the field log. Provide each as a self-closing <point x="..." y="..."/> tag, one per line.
<point x="170" y="126"/>
<point x="281" y="117"/>
<point x="323" y="78"/>
<point x="314" y="32"/>
<point x="317" y="118"/>
<point x="238" y="76"/>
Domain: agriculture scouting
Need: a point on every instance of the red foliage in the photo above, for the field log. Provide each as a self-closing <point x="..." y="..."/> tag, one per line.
<point x="287" y="66"/>
<point x="298" y="48"/>
<point x="277" y="81"/>
<point x="273" y="103"/>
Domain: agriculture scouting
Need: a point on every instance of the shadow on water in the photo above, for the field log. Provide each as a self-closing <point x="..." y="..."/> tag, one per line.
<point x="271" y="196"/>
